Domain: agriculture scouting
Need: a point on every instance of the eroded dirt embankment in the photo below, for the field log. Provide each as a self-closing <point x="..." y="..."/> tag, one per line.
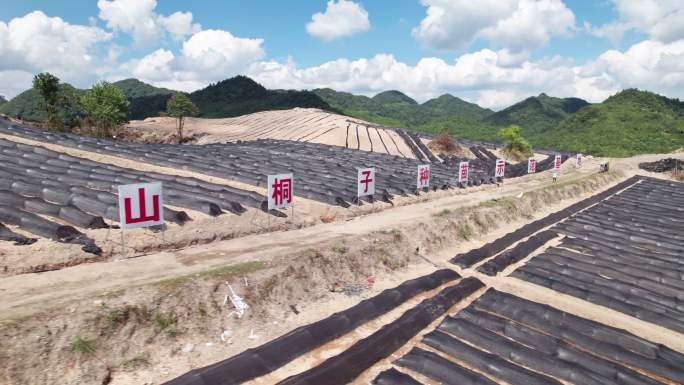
<point x="101" y="330"/>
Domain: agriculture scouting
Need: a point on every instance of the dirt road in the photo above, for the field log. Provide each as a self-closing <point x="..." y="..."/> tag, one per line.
<point x="28" y="293"/>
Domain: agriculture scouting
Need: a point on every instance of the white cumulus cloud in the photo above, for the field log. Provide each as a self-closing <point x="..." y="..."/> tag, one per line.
<point x="662" y="20"/>
<point x="35" y="43"/>
<point x="517" y="26"/>
<point x="207" y="56"/>
<point x="342" y="18"/>
<point x="139" y="19"/>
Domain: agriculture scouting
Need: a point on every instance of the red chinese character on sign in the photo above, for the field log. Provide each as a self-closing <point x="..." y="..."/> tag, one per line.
<point x="366" y="179"/>
<point x="282" y="191"/>
<point x="531" y="166"/>
<point x="500" y="166"/>
<point x="143" y="217"/>
<point x="463" y="172"/>
<point x="557" y="162"/>
<point x="424" y="175"/>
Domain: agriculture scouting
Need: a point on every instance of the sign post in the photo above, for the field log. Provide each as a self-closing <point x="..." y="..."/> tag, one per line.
<point x="280" y="192"/>
<point x="578" y="161"/>
<point x="423" y="177"/>
<point x="463" y="172"/>
<point x="365" y="182"/>
<point x="140" y="205"/>
<point x="531" y="166"/>
<point x="557" y="161"/>
<point x="500" y="168"/>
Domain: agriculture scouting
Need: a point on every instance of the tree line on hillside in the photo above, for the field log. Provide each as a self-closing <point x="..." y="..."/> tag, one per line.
<point x="99" y="110"/>
<point x="625" y="124"/>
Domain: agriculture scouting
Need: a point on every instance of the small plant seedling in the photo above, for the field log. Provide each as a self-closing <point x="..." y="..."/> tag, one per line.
<point x="83" y="346"/>
<point x="339" y="249"/>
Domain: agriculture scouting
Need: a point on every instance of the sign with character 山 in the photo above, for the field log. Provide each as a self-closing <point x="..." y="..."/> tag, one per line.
<point x="141" y="205"/>
<point x="280" y="191"/>
<point x="463" y="172"/>
<point x="500" y="168"/>
<point x="531" y="166"/>
<point x="423" y="178"/>
<point x="365" y="181"/>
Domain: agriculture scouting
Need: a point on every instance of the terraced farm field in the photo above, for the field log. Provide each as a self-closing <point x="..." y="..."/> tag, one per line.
<point x="300" y="125"/>
<point x="484" y="325"/>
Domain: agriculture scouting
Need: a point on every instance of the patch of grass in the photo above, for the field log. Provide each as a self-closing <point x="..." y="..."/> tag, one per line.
<point x="202" y="309"/>
<point x="83" y="346"/>
<point x="165" y="320"/>
<point x="465" y="231"/>
<point x="339" y="249"/>
<point x="225" y="272"/>
<point x="139" y="361"/>
<point x="118" y="316"/>
<point x="171" y="285"/>
<point x="443" y="213"/>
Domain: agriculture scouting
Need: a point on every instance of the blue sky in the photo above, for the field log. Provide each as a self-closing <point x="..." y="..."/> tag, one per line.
<point x="493" y="52"/>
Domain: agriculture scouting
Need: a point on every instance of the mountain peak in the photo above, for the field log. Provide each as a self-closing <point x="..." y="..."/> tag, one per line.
<point x="393" y="97"/>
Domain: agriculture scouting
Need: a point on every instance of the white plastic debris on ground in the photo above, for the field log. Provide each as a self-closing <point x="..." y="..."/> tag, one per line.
<point x="238" y="302"/>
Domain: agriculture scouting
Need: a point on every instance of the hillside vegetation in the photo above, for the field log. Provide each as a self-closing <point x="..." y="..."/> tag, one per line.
<point x="241" y="95"/>
<point x="627" y="123"/>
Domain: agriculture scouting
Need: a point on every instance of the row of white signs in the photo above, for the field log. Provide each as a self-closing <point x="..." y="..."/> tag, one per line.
<point x="141" y="205"/>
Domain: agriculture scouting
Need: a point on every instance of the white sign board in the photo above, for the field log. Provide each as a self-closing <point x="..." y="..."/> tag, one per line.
<point x="531" y="165"/>
<point x="423" y="177"/>
<point x="500" y="168"/>
<point x="462" y="172"/>
<point x="365" y="181"/>
<point x="141" y="205"/>
<point x="280" y="192"/>
<point x="578" y="161"/>
<point x="557" y="161"/>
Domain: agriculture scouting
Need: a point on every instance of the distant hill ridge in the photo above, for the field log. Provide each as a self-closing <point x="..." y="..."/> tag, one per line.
<point x="627" y="123"/>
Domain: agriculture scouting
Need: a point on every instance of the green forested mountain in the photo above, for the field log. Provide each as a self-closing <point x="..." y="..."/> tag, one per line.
<point x="536" y="114"/>
<point x="28" y="104"/>
<point x="2" y="100"/>
<point x="241" y="95"/>
<point x="394" y="108"/>
<point x="628" y="123"/>
<point x="134" y="88"/>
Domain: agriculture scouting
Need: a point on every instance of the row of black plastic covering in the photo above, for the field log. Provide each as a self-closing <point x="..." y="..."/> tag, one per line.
<point x="324" y="173"/>
<point x="270" y="356"/>
<point x="626" y="253"/>
<point x="348" y="365"/>
<point x="475" y="256"/>
<point x="504" y="338"/>
<point x="663" y="165"/>
<point x="35" y="181"/>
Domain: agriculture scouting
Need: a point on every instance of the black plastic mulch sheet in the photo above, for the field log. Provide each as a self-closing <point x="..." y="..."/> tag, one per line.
<point x="516" y="254"/>
<point x="474" y="256"/>
<point x="346" y="366"/>
<point x="511" y="339"/>
<point x="18" y="239"/>
<point x="270" y="356"/>
<point x="324" y="173"/>
<point x="504" y="338"/>
<point x="626" y="253"/>
<point x="394" y="377"/>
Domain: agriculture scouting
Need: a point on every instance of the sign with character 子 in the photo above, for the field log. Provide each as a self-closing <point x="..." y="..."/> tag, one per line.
<point x="500" y="168"/>
<point x="531" y="166"/>
<point x="365" y="182"/>
<point x="141" y="205"/>
<point x="423" y="178"/>
<point x="280" y="191"/>
<point x="463" y="172"/>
